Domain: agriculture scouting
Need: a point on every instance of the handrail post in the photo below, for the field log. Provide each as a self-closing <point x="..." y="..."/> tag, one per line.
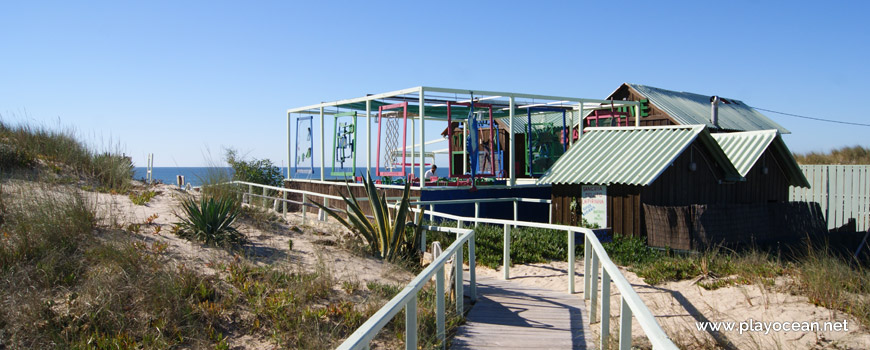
<point x="250" y="194"/>
<point x="472" y="265"/>
<point x="550" y="214"/>
<point x="411" y="324"/>
<point x="571" y="262"/>
<point x="605" y="308"/>
<point x="284" y="196"/>
<point x="624" y="326"/>
<point x="587" y="265"/>
<point x="516" y="210"/>
<point x="431" y="216"/>
<point x="506" y="245"/>
<point x="460" y="294"/>
<point x="439" y="306"/>
<point x="593" y="310"/>
<point x="265" y="199"/>
<point x="304" y="208"/>
<point x="476" y="213"/>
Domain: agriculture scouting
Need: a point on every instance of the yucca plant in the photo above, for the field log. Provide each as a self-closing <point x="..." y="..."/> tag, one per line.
<point x="388" y="237"/>
<point x="210" y="220"/>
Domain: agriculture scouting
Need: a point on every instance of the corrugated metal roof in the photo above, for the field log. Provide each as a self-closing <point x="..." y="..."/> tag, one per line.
<point x="688" y="108"/>
<point x="521" y="121"/>
<point x="629" y="155"/>
<point x="744" y="148"/>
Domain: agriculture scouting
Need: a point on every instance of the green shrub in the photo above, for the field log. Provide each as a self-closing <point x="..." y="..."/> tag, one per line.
<point x="210" y="220"/>
<point x="260" y="171"/>
<point x="142" y="198"/>
<point x="113" y="171"/>
<point x="12" y="157"/>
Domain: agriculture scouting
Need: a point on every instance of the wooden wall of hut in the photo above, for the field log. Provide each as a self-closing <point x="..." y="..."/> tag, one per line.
<point x="656" y="117"/>
<point x="678" y="185"/>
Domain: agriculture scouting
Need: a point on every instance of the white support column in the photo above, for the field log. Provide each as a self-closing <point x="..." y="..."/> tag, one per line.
<point x="580" y="125"/>
<point x="624" y="326"/>
<point x="289" y="147"/>
<point x="637" y="115"/>
<point x="411" y="324"/>
<point x="593" y="304"/>
<point x="439" y="305"/>
<point x="368" y="137"/>
<point x="322" y="148"/>
<point x="507" y="252"/>
<point x="512" y="143"/>
<point x="571" y="262"/>
<point x="423" y="138"/>
<point x="413" y="147"/>
<point x="571" y="128"/>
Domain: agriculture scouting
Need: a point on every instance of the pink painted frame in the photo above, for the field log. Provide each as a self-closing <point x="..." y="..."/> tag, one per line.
<point x="381" y="109"/>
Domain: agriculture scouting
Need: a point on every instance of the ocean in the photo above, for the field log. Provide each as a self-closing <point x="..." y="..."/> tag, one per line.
<point x="194" y="175"/>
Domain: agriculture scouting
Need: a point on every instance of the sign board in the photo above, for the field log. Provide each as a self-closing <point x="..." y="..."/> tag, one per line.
<point x="594" y="205"/>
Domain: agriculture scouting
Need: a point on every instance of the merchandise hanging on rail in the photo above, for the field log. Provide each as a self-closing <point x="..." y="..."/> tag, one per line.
<point x="392" y="129"/>
<point x="344" y="144"/>
<point x="304" y="162"/>
<point x="546" y="138"/>
<point x="480" y="154"/>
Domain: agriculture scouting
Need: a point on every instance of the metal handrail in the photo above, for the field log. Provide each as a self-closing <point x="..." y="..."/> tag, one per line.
<point x="407" y="298"/>
<point x="594" y="254"/>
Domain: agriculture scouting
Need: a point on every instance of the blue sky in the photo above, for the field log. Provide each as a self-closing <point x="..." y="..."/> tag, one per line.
<point x="185" y="79"/>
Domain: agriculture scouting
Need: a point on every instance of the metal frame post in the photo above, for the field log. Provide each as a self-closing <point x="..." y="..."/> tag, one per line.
<point x="460" y="293"/>
<point x="513" y="157"/>
<point x="472" y="266"/>
<point x="422" y="139"/>
<point x="304" y="209"/>
<point x="368" y="137"/>
<point x="284" y="206"/>
<point x="322" y="147"/>
<point x="289" y="147"/>
<point x="476" y="213"/>
<point x="265" y="198"/>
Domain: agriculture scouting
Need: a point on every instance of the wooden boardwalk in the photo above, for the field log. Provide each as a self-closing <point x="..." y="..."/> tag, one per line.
<point x="509" y="315"/>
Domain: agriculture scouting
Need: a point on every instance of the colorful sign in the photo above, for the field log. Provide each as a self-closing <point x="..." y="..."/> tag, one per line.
<point x="594" y="205"/>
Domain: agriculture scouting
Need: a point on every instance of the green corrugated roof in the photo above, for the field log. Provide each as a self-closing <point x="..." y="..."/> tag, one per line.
<point x="630" y="155"/>
<point x="745" y="148"/>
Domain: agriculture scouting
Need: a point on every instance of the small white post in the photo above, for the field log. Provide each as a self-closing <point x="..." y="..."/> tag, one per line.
<point x="605" y="308"/>
<point x="516" y="209"/>
<point x="284" y="196"/>
<point x="304" y="208"/>
<point x="439" y="305"/>
<point x="624" y="326"/>
<point x="321" y="215"/>
<point x="476" y="213"/>
<point x="431" y="209"/>
<point x="250" y="194"/>
<point x="580" y="124"/>
<point x="411" y="324"/>
<point x="265" y="198"/>
<point x="289" y="147"/>
<point x="570" y="262"/>
<point x="507" y="252"/>
<point x="460" y="294"/>
<point x="637" y="114"/>
<point x="472" y="265"/>
<point x="593" y="310"/>
<point x="423" y="138"/>
<point x="550" y="213"/>
<point x="587" y="266"/>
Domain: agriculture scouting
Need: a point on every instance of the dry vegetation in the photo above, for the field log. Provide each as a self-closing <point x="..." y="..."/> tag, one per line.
<point x="72" y="279"/>
<point x="845" y="155"/>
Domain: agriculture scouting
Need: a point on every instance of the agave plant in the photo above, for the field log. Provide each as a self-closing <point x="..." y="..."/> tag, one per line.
<point x="388" y="237"/>
<point x="209" y="220"/>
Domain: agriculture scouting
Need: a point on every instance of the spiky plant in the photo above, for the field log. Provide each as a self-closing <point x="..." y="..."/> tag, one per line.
<point x="210" y="220"/>
<point x="388" y="237"/>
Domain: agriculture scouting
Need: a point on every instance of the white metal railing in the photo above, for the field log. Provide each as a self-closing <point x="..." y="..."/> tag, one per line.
<point x="594" y="255"/>
<point x="596" y="261"/>
<point x="407" y="298"/>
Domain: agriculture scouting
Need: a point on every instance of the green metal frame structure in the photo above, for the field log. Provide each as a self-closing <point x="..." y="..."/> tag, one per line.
<point x="351" y="138"/>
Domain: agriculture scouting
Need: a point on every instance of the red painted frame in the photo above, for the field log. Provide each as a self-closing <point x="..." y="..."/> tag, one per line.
<point x="491" y="138"/>
<point x="381" y="109"/>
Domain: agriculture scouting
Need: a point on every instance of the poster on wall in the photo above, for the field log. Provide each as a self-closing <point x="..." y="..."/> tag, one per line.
<point x="594" y="205"/>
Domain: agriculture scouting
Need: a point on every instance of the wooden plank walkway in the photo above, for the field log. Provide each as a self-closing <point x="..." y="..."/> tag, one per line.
<point x="509" y="315"/>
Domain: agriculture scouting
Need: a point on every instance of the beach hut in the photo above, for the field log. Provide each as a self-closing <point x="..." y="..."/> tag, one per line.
<point x="678" y="185"/>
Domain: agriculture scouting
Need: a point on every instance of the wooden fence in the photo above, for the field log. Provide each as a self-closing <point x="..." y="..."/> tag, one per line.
<point x="843" y="191"/>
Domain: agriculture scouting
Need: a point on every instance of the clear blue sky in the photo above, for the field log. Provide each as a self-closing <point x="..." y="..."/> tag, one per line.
<point x="182" y="79"/>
